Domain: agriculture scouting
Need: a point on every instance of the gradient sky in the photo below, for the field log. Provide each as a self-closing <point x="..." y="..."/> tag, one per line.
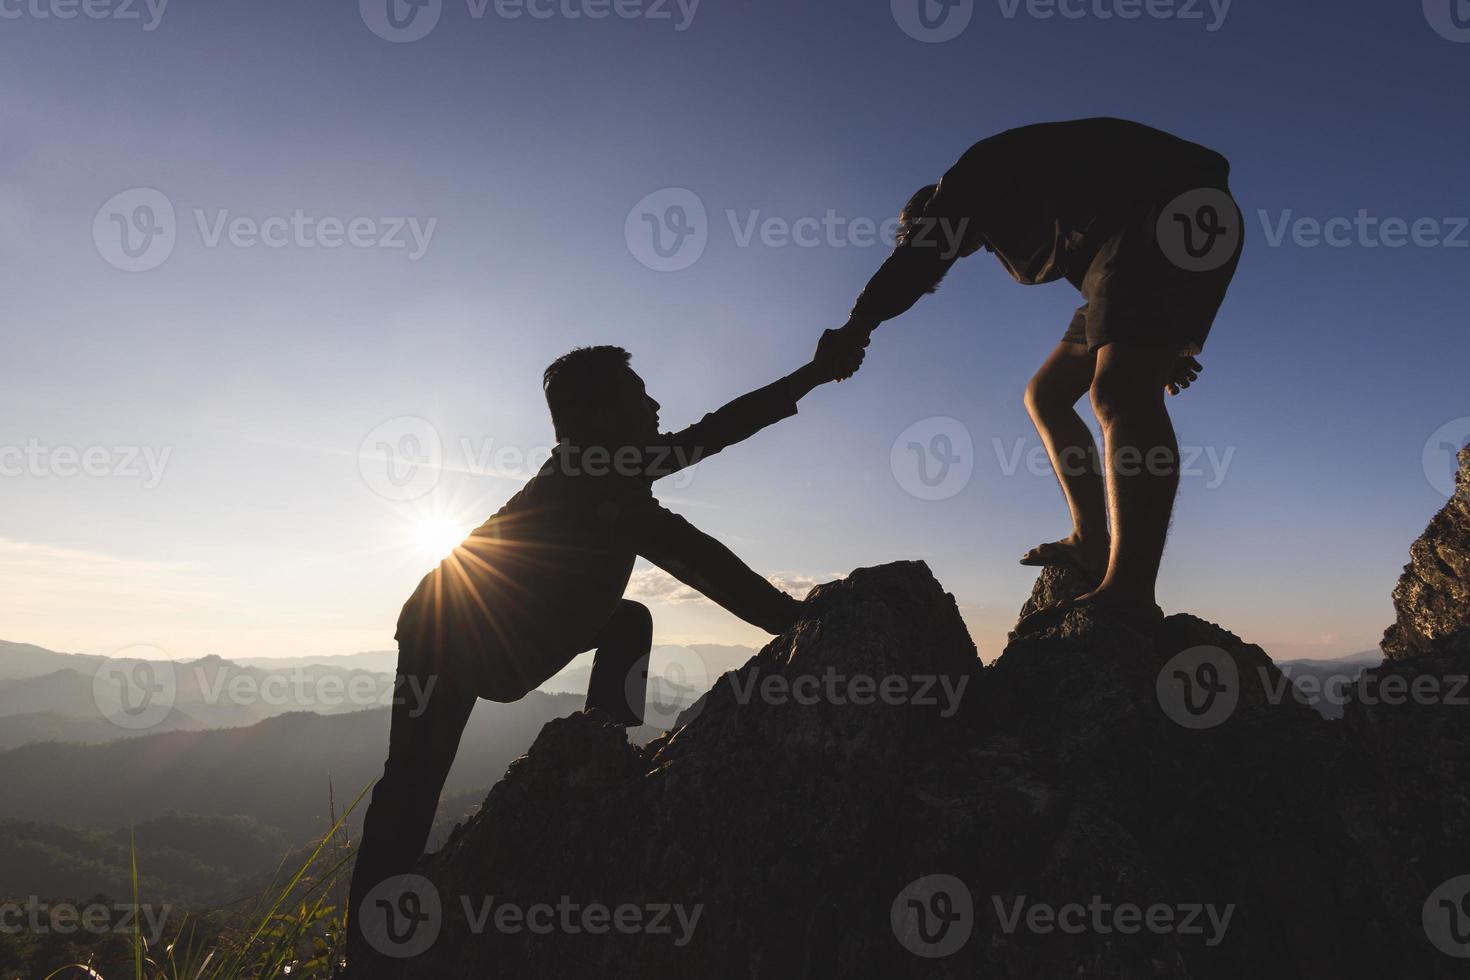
<point x="260" y="371"/>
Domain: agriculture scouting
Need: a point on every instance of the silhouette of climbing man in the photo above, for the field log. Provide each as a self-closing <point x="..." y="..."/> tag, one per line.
<point x="1143" y="225"/>
<point x="543" y="580"/>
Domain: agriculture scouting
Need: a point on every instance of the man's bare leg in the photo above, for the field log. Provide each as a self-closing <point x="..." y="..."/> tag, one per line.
<point x="1051" y="399"/>
<point x="1142" y="470"/>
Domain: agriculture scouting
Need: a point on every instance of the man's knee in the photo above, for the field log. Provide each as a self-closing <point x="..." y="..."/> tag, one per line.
<point x="1124" y="394"/>
<point x="1048" y="393"/>
<point x="637" y="621"/>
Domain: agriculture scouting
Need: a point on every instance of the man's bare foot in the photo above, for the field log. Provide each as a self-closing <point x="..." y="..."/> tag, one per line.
<point x="1089" y="558"/>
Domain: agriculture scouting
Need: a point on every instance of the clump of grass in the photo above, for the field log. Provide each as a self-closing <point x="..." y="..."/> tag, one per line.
<point x="292" y="928"/>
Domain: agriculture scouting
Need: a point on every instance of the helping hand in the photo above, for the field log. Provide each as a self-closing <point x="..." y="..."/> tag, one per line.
<point x="1184" y="372"/>
<point x="840" y="352"/>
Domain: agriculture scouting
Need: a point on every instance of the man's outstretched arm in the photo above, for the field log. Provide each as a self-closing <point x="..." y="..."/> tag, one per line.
<point x="928" y="246"/>
<point x="705" y="565"/>
<point x="748" y="414"/>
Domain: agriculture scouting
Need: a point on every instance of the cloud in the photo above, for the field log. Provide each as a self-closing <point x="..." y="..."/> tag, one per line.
<point x="657" y="585"/>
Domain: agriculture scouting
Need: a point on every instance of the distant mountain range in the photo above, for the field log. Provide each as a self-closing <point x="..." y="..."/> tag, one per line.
<point x="236" y="772"/>
<point x="1324" y="683"/>
<point x="69" y="697"/>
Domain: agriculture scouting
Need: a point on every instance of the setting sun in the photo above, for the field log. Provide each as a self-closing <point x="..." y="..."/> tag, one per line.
<point x="434" y="536"/>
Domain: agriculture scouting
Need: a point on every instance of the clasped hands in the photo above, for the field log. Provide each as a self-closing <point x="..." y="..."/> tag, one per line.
<point x="840" y="352"/>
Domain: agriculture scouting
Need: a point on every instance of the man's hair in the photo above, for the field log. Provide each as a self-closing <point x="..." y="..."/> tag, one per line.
<point x="578" y="383"/>
<point x="908" y="218"/>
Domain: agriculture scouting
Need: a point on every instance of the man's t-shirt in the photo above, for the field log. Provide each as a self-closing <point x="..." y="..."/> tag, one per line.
<point x="1043" y="198"/>
<point x="531" y="587"/>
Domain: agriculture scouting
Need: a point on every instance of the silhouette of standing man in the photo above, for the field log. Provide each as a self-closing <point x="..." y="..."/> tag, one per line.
<point x="1143" y="225"/>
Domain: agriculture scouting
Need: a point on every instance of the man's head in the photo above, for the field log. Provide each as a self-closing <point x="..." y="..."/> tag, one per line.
<point x="597" y="399"/>
<point x="911" y="225"/>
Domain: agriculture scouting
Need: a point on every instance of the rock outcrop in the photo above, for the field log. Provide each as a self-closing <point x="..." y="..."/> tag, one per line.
<point x="1432" y="597"/>
<point x="864" y="799"/>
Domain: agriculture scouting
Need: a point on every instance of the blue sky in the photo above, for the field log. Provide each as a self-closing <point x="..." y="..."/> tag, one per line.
<point x="517" y="146"/>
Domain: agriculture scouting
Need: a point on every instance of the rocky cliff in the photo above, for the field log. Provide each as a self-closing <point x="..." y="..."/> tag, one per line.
<point x="864" y="799"/>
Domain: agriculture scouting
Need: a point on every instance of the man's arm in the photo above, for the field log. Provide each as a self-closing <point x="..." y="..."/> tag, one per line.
<point x="748" y="414"/>
<point x="706" y="565"/>
<point x="909" y="273"/>
<point x="920" y="260"/>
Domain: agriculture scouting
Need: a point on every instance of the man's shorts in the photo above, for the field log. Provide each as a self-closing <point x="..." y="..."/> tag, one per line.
<point x="1144" y="292"/>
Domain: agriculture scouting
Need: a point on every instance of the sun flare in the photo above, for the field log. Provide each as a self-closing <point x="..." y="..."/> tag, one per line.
<point x="434" y="536"/>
